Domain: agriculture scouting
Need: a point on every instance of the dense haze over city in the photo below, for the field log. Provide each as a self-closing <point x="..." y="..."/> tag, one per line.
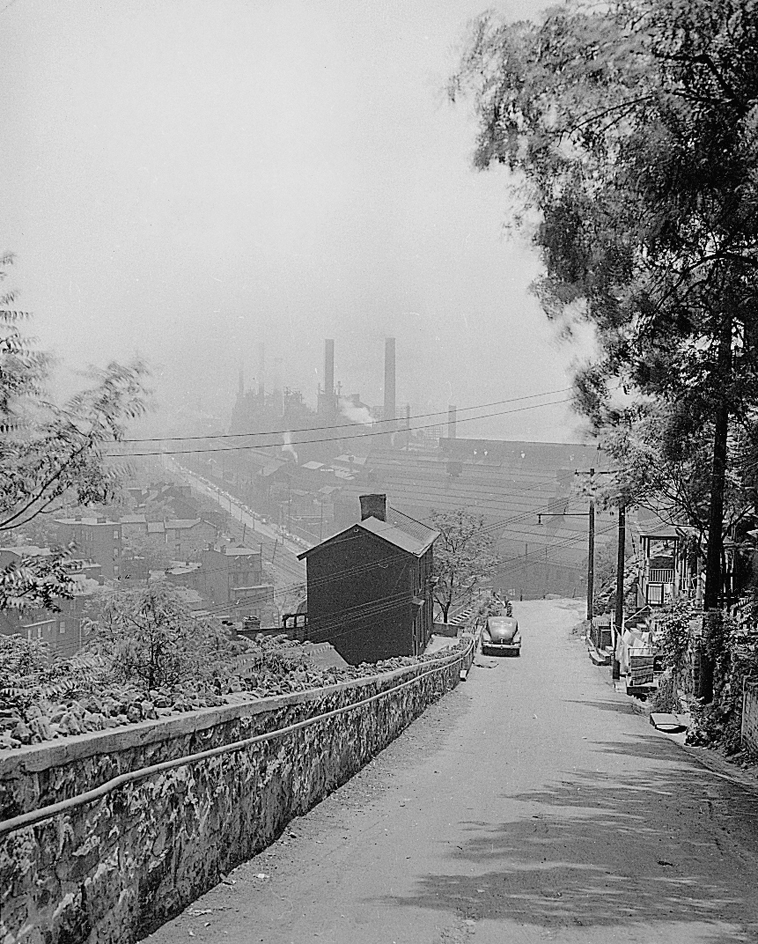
<point x="188" y="180"/>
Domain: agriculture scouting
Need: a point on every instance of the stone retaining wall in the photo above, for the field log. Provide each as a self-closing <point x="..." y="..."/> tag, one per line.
<point x="115" y="868"/>
<point x="750" y="718"/>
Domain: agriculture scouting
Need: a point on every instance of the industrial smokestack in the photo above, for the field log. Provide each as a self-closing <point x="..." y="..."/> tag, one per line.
<point x="451" y="422"/>
<point x="277" y="385"/>
<point x="389" y="382"/>
<point x="329" y="367"/>
<point x="373" y="506"/>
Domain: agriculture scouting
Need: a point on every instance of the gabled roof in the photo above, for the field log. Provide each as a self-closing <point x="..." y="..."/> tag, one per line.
<point x="182" y="524"/>
<point x="400" y="530"/>
<point x="662" y="530"/>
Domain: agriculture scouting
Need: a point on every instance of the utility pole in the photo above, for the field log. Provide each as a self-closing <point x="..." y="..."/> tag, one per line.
<point x="619" y="614"/>
<point x="591" y="556"/>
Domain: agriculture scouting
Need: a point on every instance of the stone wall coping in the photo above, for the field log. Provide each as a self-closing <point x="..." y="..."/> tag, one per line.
<point x="35" y="758"/>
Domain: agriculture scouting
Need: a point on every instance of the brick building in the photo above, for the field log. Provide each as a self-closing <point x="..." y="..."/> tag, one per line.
<point x="369" y="587"/>
<point x="226" y="570"/>
<point x="95" y="539"/>
<point x="63" y="631"/>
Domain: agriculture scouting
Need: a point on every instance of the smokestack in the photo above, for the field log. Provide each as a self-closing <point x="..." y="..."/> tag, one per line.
<point x="261" y="369"/>
<point x="277" y="385"/>
<point x="451" y="418"/>
<point x="373" y="506"/>
<point x="389" y="382"/>
<point x="329" y="368"/>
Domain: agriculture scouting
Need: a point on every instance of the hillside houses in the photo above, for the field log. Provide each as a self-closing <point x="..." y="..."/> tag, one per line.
<point x="64" y="630"/>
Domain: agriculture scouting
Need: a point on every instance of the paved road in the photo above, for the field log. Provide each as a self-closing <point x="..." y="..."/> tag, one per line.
<point x="531" y="804"/>
<point x="279" y="553"/>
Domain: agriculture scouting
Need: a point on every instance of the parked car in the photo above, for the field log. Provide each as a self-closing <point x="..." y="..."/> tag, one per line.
<point x="501" y="634"/>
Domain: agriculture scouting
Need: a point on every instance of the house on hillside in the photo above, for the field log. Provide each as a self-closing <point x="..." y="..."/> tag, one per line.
<point x="96" y="539"/>
<point x="369" y="587"/>
<point x="186" y="537"/>
<point x="63" y="630"/>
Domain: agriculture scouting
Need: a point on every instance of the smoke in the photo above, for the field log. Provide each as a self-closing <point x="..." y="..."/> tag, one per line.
<point x="287" y="447"/>
<point x="356" y="414"/>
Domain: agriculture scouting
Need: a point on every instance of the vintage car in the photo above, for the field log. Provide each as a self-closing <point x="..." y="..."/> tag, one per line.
<point x="500" y="634"/>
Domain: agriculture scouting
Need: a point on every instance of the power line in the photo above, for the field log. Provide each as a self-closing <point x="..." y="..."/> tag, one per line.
<point x="350" y="437"/>
<point x="316" y="429"/>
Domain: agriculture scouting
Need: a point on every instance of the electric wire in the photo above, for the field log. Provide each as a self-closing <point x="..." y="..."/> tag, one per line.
<point x="311" y="429"/>
<point x="352" y="436"/>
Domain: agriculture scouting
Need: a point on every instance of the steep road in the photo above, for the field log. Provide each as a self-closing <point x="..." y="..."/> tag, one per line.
<point x="531" y="804"/>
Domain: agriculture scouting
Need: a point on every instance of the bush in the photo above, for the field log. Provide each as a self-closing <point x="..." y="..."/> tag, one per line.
<point x="148" y="637"/>
<point x="28" y="675"/>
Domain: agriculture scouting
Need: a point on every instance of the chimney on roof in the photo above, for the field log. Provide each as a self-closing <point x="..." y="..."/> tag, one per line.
<point x="373" y="506"/>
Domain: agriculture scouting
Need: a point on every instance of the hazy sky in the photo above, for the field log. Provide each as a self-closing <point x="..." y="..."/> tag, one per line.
<point x="188" y="178"/>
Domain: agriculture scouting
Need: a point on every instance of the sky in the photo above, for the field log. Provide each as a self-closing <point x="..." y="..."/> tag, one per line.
<point x="184" y="180"/>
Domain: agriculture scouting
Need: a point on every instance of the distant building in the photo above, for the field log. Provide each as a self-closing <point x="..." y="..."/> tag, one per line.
<point x="369" y="587"/>
<point x="186" y="537"/>
<point x="230" y="574"/>
<point x="63" y="632"/>
<point x="97" y="539"/>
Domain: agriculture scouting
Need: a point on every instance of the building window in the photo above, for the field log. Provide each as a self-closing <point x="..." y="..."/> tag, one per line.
<point x="62" y="626"/>
<point x="115" y="535"/>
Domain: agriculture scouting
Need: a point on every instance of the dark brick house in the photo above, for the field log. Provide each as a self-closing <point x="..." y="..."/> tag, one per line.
<point x="94" y="538"/>
<point x="369" y="587"/>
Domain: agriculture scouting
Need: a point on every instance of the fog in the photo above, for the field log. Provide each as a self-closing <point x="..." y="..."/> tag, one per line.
<point x="189" y="179"/>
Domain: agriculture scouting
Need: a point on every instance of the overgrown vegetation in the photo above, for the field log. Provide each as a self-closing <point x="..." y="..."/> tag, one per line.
<point x="51" y="451"/>
<point x="733" y="642"/>
<point x="149" y="638"/>
<point x="148" y="656"/>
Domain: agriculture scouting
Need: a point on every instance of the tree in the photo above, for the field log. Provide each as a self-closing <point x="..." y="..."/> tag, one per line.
<point x="634" y="128"/>
<point x="463" y="559"/>
<point x="150" y="638"/>
<point x="51" y="452"/>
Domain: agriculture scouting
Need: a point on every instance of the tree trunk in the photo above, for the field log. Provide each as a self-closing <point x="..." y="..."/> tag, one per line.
<point x="716" y="512"/>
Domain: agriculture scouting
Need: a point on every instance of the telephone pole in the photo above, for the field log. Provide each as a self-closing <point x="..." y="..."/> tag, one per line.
<point x="618" y="620"/>
<point x="591" y="557"/>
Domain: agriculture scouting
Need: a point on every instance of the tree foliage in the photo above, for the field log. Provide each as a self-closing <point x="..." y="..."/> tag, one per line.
<point x="150" y="638"/>
<point x="50" y="452"/>
<point x="633" y="129"/>
<point x="463" y="558"/>
<point x="28" y="675"/>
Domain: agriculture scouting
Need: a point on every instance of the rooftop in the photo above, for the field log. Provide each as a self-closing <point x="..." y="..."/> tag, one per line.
<point x="399" y="529"/>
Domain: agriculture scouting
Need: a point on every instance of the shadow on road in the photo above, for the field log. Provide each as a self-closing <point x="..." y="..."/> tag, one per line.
<point x="666" y="843"/>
